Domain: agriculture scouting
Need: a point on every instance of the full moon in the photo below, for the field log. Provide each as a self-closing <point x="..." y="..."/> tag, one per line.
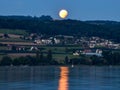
<point x="63" y="13"/>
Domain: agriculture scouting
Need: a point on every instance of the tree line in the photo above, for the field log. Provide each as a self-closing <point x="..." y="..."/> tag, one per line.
<point x="39" y="59"/>
<point x="109" y="58"/>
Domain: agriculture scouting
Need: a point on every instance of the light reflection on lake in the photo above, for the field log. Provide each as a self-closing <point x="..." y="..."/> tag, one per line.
<point x="63" y="81"/>
<point x="60" y="78"/>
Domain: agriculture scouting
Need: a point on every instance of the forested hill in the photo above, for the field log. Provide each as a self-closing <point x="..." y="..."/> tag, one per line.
<point x="109" y="24"/>
<point x="46" y="25"/>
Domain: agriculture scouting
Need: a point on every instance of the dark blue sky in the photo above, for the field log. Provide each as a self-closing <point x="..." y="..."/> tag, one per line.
<point x="78" y="9"/>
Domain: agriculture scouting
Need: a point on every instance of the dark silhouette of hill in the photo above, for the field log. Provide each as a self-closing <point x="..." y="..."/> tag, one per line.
<point x="46" y="25"/>
<point x="112" y="26"/>
<point x="108" y="24"/>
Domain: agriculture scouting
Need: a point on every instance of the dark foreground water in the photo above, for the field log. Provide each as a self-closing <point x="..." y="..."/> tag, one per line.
<point x="60" y="78"/>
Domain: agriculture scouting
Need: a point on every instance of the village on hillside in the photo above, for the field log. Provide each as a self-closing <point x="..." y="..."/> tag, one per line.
<point x="32" y="42"/>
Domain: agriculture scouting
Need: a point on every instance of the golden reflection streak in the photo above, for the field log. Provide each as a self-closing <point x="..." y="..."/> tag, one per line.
<point x="63" y="81"/>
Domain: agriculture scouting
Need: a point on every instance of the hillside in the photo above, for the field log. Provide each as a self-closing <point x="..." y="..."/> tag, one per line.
<point x="46" y="25"/>
<point x="113" y="25"/>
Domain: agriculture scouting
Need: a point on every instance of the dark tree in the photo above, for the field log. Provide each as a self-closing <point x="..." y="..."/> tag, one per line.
<point x="37" y="54"/>
<point x="67" y="60"/>
<point x="96" y="60"/>
<point x="6" y="61"/>
<point x="41" y="56"/>
<point x="16" y="62"/>
<point x="6" y="35"/>
<point x="13" y="47"/>
<point x="38" y="58"/>
<point x="49" y="55"/>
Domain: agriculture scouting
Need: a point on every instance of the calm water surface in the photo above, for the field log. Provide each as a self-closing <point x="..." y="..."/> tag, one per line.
<point x="60" y="78"/>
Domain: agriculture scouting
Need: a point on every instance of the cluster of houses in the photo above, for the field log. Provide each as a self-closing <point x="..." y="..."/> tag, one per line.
<point x="48" y="41"/>
<point x="22" y="48"/>
<point x="94" y="42"/>
<point x="88" y="52"/>
<point x="58" y="39"/>
<point x="88" y="44"/>
<point x="84" y="42"/>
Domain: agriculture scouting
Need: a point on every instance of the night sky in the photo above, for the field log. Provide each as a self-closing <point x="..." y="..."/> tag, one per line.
<point x="78" y="9"/>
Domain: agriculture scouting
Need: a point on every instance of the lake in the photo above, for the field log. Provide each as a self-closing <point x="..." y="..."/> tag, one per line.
<point x="60" y="78"/>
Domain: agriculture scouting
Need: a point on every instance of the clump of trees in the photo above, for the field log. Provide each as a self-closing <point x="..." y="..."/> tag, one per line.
<point x="108" y="58"/>
<point x="6" y="61"/>
<point x="112" y="58"/>
<point x="39" y="59"/>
